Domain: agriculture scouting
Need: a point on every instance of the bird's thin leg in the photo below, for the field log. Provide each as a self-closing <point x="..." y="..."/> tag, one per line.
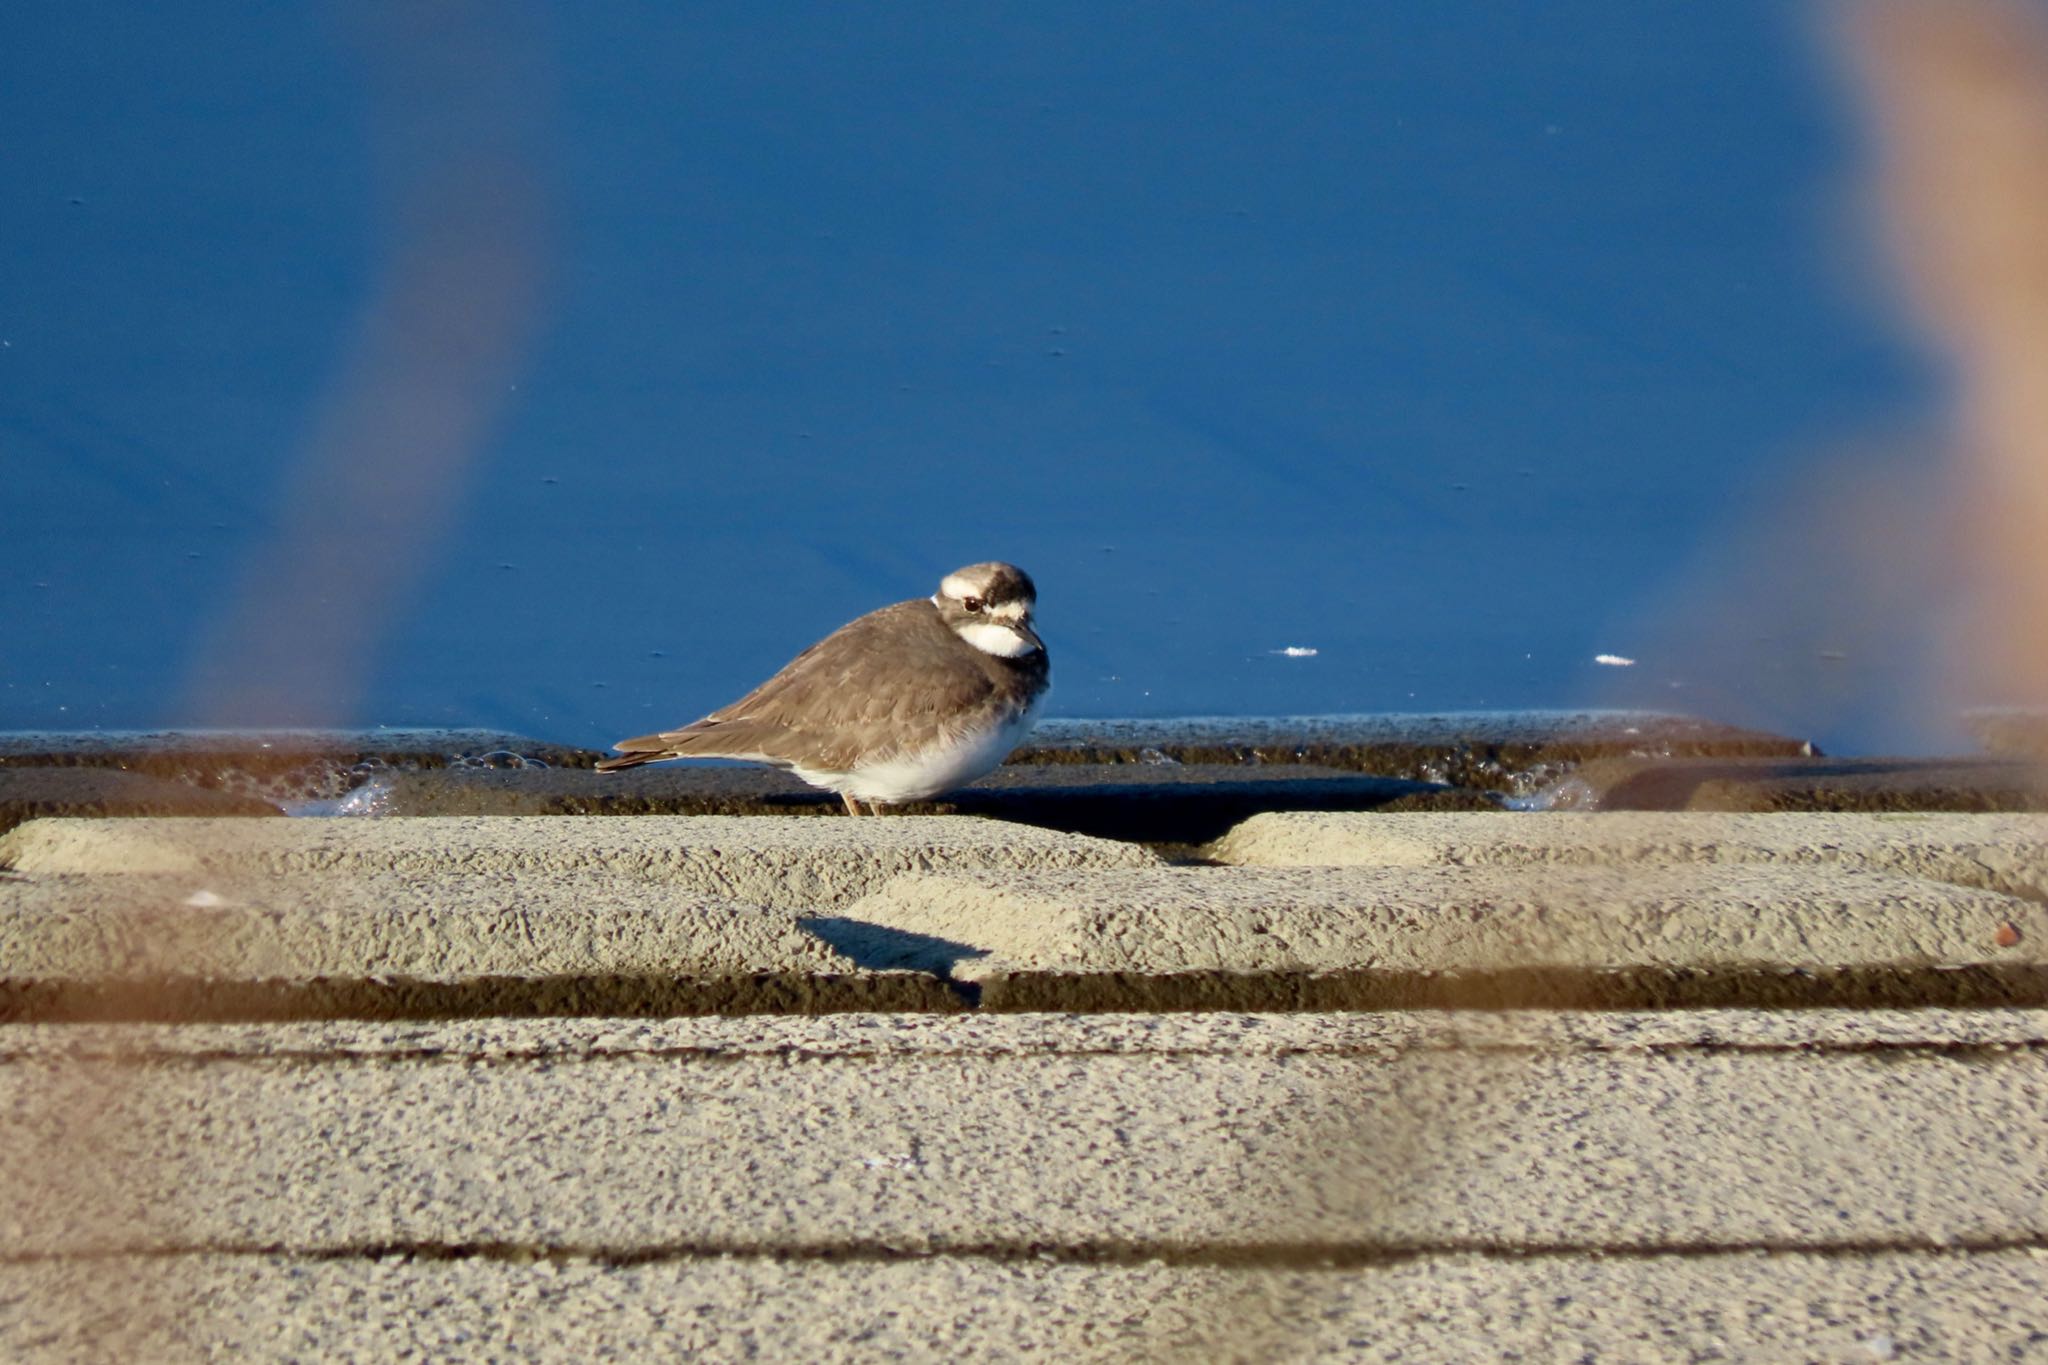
<point x="852" y="806"/>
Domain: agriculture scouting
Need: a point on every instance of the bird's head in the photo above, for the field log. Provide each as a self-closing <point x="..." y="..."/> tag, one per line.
<point x="990" y="606"/>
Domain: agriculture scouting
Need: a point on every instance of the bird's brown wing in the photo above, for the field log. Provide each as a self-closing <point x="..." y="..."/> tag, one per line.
<point x="896" y="671"/>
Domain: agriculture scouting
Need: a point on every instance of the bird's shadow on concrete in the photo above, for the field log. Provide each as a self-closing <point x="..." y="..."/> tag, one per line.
<point x="876" y="947"/>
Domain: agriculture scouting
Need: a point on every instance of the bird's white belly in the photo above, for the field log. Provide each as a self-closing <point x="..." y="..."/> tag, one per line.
<point x="927" y="772"/>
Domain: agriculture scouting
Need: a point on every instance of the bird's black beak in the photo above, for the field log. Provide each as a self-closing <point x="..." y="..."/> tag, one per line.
<point x="1024" y="629"/>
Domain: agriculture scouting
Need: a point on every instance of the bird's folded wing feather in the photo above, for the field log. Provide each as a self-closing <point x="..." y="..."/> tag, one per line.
<point x="833" y="694"/>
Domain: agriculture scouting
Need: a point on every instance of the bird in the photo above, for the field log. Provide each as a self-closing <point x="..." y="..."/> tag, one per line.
<point x="901" y="704"/>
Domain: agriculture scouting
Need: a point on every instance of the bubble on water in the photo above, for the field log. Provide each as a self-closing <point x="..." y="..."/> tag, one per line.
<point x="1571" y="793"/>
<point x="498" y="759"/>
<point x="372" y="798"/>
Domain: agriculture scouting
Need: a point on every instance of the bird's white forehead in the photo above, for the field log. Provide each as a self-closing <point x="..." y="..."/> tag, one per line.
<point x="959" y="589"/>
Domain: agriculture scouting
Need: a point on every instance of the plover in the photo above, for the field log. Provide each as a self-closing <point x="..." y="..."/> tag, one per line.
<point x="899" y="705"/>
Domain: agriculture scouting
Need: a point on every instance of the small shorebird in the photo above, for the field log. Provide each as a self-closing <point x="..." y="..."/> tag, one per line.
<point x="899" y="705"/>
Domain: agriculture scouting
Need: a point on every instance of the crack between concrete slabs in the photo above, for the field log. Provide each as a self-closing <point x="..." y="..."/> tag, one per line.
<point x="1973" y="1052"/>
<point x="1645" y="989"/>
<point x="1239" y="1256"/>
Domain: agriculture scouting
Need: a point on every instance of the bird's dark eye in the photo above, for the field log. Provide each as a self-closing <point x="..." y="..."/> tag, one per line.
<point x="973" y="604"/>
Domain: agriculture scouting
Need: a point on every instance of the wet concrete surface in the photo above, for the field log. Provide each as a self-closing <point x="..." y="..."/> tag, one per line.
<point x="1499" y="751"/>
<point x="30" y="793"/>
<point x="1831" y="784"/>
<point x="1164" y="782"/>
<point x="1169" y="783"/>
<point x="1512" y="752"/>
<point x="1149" y="803"/>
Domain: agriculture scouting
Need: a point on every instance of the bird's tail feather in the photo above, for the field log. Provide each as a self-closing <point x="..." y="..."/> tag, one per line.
<point x="612" y="765"/>
<point x="637" y="750"/>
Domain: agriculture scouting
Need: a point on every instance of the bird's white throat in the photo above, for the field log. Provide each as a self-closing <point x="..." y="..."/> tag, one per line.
<point x="992" y="638"/>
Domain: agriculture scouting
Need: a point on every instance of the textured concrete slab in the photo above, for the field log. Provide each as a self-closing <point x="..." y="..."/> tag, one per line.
<point x="431" y="926"/>
<point x="801" y="863"/>
<point x="2007" y="853"/>
<point x="1744" y="1305"/>
<point x="1373" y="937"/>
<point x="1508" y="751"/>
<point x="34" y="793"/>
<point x="169" y="946"/>
<point x="1353" y="1153"/>
<point x="1784" y="784"/>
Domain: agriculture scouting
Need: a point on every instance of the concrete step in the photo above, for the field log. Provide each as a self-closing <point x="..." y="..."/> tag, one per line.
<point x="1865" y="1306"/>
<point x="802" y="863"/>
<point x="1999" y="852"/>
<point x="230" y="919"/>
<point x="386" y="945"/>
<point x="1374" y="938"/>
<point x="868" y="1138"/>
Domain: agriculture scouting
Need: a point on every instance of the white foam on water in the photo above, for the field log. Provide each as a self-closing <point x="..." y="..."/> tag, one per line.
<point x="372" y="798"/>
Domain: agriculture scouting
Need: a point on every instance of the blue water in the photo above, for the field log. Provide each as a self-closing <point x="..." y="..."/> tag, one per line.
<point x="1448" y="343"/>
